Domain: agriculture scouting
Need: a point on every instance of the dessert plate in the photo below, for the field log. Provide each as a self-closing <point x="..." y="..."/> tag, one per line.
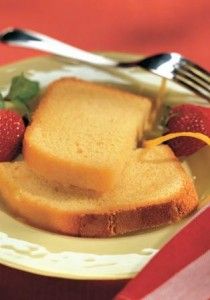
<point x="49" y="254"/>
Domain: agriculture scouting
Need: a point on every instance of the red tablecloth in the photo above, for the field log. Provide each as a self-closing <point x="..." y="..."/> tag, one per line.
<point x="138" y="26"/>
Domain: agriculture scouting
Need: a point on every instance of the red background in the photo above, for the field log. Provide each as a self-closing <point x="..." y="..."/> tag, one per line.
<point x="136" y="26"/>
<point x="139" y="26"/>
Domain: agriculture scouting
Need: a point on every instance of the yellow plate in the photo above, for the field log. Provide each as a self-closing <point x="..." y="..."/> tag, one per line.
<point x="41" y="252"/>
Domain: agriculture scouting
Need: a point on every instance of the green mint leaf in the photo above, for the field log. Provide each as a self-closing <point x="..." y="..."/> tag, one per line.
<point x="23" y="89"/>
<point x="1" y="102"/>
<point x="18" y="106"/>
<point x="9" y="105"/>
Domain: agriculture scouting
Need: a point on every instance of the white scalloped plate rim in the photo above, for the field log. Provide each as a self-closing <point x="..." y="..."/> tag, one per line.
<point x="34" y="258"/>
<point x="20" y="253"/>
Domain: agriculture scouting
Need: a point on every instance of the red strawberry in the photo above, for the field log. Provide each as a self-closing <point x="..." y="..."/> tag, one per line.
<point x="12" y="131"/>
<point x="188" y="117"/>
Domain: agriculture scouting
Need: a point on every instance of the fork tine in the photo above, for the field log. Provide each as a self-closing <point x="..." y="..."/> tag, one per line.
<point x="197" y="74"/>
<point x="190" y="85"/>
<point x="190" y="75"/>
<point x="193" y="77"/>
<point x="197" y="69"/>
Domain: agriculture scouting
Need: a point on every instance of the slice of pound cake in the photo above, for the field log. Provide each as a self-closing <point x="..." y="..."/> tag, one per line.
<point x="153" y="190"/>
<point x="83" y="133"/>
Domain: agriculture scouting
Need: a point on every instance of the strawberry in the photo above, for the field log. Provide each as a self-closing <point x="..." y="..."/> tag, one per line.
<point x="12" y="130"/>
<point x="188" y="117"/>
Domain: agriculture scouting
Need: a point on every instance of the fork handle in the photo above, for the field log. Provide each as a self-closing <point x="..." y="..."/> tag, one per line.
<point x="35" y="40"/>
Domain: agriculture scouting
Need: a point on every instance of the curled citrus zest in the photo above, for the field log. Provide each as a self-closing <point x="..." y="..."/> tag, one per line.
<point x="159" y="140"/>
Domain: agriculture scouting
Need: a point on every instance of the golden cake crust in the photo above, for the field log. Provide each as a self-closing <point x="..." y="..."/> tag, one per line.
<point x="83" y="213"/>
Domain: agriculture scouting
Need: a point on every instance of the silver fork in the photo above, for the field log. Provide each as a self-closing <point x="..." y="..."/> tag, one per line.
<point x="171" y="66"/>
